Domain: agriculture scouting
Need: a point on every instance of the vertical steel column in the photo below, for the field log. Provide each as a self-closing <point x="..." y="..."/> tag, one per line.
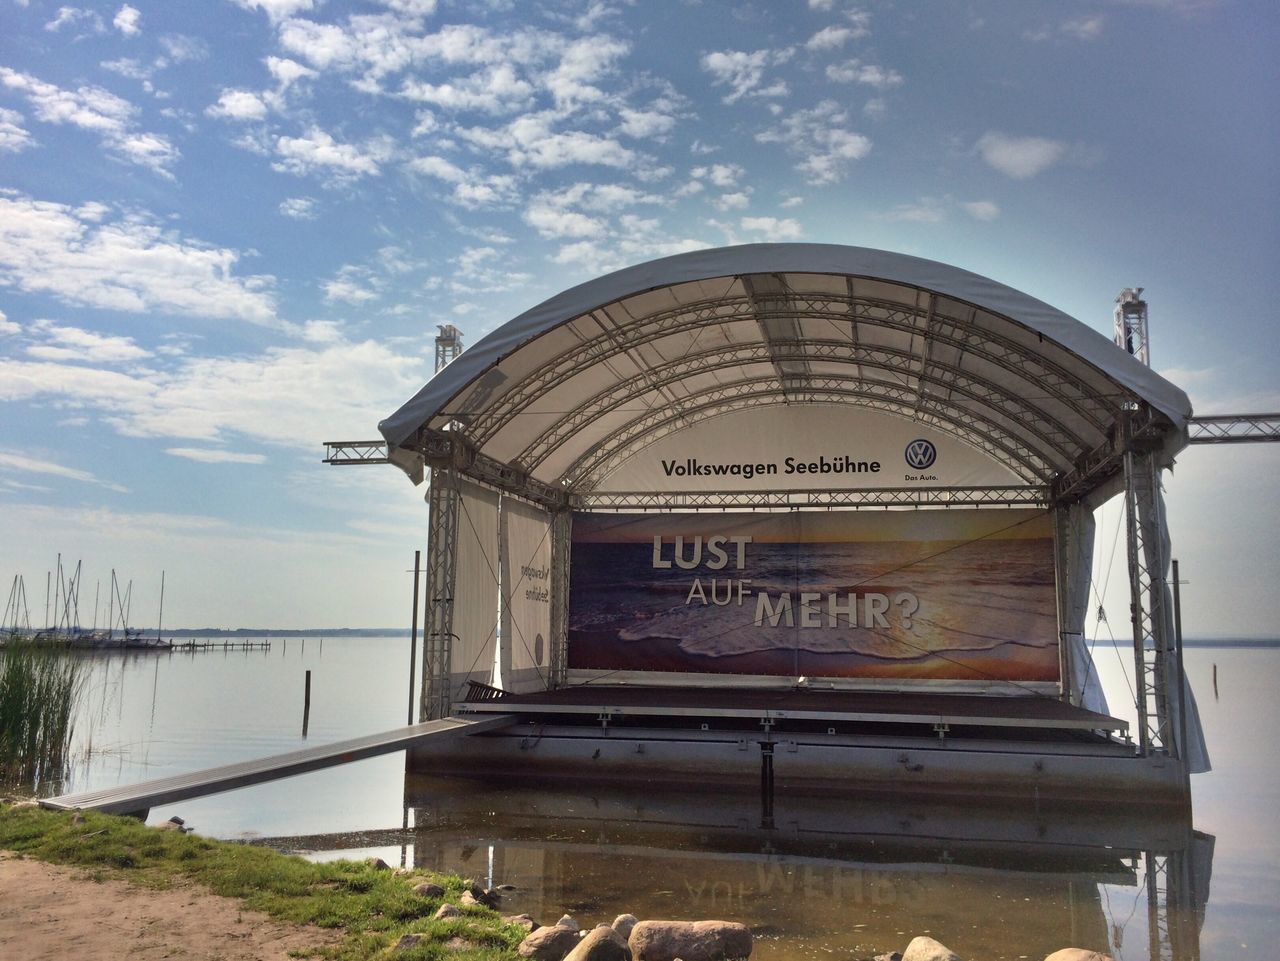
<point x="437" y="635"/>
<point x="1063" y="550"/>
<point x="1151" y="641"/>
<point x="561" y="534"/>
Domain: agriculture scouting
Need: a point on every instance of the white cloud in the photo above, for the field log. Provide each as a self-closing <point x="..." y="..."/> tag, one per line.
<point x="494" y="90"/>
<point x="276" y="10"/>
<point x="553" y="221"/>
<point x="72" y="16"/>
<point x="583" y="62"/>
<point x="98" y="111"/>
<point x="531" y="141"/>
<point x="128" y="264"/>
<point x="354" y="285"/>
<point x="277" y="397"/>
<point x="738" y="200"/>
<point x="637" y="239"/>
<point x="238" y="105"/>
<point x="11" y="461"/>
<point x="210" y="455"/>
<point x="299" y="208"/>
<point x="127" y="19"/>
<point x="926" y="211"/>
<point x="7" y="326"/>
<point x="744" y="72"/>
<point x="1020" y="157"/>
<point x="288" y="72"/>
<point x="318" y="153"/>
<point x="1084" y="28"/>
<point x="832" y="38"/>
<point x="13" y="136"/>
<point x="1080" y="28"/>
<point x="76" y="344"/>
<point x="819" y="136"/>
<point x="855" y="71"/>
<point x="775" y="228"/>
<point x="981" y="209"/>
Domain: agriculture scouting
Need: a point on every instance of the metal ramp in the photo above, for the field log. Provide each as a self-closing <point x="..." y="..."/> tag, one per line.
<point x="139" y="798"/>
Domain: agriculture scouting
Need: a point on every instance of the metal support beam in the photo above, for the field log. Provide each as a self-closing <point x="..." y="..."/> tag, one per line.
<point x="1010" y="496"/>
<point x="442" y="550"/>
<point x="1233" y="429"/>
<point x="561" y="535"/>
<point x="1152" y="644"/>
<point x="343" y="452"/>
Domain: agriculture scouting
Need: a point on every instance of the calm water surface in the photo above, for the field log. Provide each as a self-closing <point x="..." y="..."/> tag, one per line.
<point x="831" y="877"/>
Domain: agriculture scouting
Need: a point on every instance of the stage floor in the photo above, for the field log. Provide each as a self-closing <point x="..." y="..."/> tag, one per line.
<point x="801" y="704"/>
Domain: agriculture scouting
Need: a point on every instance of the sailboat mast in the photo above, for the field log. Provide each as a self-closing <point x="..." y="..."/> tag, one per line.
<point x="160" y="619"/>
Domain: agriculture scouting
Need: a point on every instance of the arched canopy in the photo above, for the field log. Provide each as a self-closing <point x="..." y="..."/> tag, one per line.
<point x="561" y="396"/>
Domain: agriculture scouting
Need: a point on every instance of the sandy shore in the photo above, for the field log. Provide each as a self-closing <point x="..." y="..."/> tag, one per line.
<point x="53" y="912"/>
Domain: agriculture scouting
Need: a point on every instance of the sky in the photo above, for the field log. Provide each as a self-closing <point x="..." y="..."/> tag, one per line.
<point x="229" y="231"/>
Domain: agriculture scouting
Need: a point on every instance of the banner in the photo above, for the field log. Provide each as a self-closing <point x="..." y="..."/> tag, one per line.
<point x="475" y="593"/>
<point x="806" y="447"/>
<point x="526" y="582"/>
<point x="955" y="595"/>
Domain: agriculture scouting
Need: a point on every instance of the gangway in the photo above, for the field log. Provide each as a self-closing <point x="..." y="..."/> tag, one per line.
<point x="138" y="799"/>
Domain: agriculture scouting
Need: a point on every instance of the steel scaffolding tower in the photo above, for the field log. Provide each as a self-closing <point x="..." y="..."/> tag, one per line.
<point x="1131" y="324"/>
<point x="448" y="345"/>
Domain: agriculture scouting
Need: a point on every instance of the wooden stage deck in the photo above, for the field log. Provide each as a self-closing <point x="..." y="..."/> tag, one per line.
<point x="799" y="704"/>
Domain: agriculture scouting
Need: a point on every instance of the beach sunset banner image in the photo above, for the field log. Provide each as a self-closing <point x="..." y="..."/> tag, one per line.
<point x="927" y="595"/>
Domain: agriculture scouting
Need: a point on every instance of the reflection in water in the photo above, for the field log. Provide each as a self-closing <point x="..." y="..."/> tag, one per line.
<point x="849" y="876"/>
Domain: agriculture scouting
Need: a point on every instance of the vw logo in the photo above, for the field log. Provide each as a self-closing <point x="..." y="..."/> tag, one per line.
<point x="921" y="454"/>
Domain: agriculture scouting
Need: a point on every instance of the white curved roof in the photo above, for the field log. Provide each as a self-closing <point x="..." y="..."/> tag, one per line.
<point x="573" y="387"/>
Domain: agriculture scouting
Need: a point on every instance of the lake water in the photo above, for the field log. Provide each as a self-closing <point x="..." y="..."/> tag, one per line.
<point x="830" y="877"/>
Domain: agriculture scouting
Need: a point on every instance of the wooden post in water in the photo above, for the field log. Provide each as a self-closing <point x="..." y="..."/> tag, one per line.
<point x="413" y="635"/>
<point x="306" y="705"/>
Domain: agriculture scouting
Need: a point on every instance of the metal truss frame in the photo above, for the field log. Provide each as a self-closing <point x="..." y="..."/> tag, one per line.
<point x="591" y="467"/>
<point x="1042" y="377"/>
<point x="442" y="552"/>
<point x="340" y="453"/>
<point x="883" y="497"/>
<point x="989" y="406"/>
<point x="1153" y="646"/>
<point x="561" y="545"/>
<point x="1233" y="429"/>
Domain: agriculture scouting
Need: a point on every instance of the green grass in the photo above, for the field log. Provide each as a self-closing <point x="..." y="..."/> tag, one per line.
<point x="39" y="687"/>
<point x="373" y="907"/>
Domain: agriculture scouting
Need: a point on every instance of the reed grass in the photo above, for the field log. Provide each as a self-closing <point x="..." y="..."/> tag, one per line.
<point x="39" y="688"/>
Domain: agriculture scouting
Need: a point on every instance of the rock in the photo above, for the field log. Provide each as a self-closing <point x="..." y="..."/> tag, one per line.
<point x="601" y="944"/>
<point x="469" y="899"/>
<point x="1077" y="954"/>
<point x="524" y="921"/>
<point x="458" y="944"/>
<point x="407" y="941"/>
<point x="377" y="864"/>
<point x="927" y="949"/>
<point x="447" y="911"/>
<point x="428" y="890"/>
<point x="689" y="940"/>
<point x="170" y="826"/>
<point x="567" y="922"/>
<point x="623" y="924"/>
<point x="177" y="820"/>
<point x="549" y="943"/>
<point x="891" y="956"/>
<point x="504" y="887"/>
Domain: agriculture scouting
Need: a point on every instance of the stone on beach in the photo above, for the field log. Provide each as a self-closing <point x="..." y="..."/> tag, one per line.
<point x="690" y="941"/>
<point x="927" y="949"/>
<point x="623" y="924"/>
<point x="1077" y="954"/>
<point x="601" y="944"/>
<point x="549" y="943"/>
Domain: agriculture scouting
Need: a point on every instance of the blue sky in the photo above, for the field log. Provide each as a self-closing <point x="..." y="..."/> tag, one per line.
<point x="228" y="231"/>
